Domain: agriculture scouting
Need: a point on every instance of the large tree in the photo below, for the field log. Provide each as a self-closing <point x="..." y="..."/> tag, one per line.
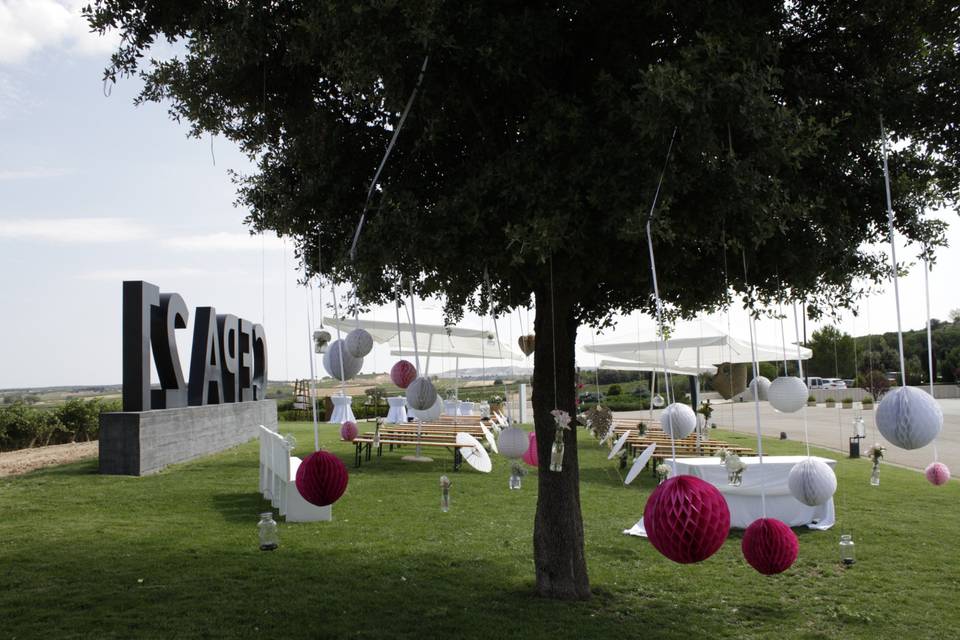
<point x="533" y="151"/>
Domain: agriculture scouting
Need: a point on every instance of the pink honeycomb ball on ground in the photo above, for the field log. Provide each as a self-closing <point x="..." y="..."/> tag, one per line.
<point x="937" y="473"/>
<point x="348" y="430"/>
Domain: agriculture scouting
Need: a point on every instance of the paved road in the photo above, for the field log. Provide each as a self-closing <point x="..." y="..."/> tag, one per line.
<point x="830" y="428"/>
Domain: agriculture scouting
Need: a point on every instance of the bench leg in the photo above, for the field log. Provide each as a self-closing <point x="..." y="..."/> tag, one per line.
<point x="457" y="459"/>
<point x="357" y="454"/>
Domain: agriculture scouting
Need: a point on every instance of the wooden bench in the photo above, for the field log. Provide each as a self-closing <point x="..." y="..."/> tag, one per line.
<point x="364" y="445"/>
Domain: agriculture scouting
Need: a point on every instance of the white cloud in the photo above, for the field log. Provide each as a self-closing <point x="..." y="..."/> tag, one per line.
<point x="33" y="172"/>
<point x="73" y="230"/>
<point x="224" y="241"/>
<point x="30" y="26"/>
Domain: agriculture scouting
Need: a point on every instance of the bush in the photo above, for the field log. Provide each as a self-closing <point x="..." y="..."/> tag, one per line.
<point x="614" y="390"/>
<point x="867" y="400"/>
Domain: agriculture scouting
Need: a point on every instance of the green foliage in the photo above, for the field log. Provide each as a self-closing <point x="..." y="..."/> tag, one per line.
<point x="875" y="382"/>
<point x="768" y="370"/>
<point x="867" y="400"/>
<point x="614" y="390"/>
<point x="76" y="419"/>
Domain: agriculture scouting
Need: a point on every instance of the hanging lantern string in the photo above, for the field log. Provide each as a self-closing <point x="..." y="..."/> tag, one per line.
<point x="399" y="334"/>
<point x="726" y="292"/>
<point x="553" y="338"/>
<point x="413" y="322"/>
<point x="340" y="346"/>
<point x="926" y="291"/>
<point x="783" y="335"/>
<point x="496" y="331"/>
<point x="893" y="252"/>
<point x="320" y="277"/>
<point x="596" y="367"/>
<point x="386" y="154"/>
<point x="756" y="393"/>
<point x="313" y="395"/>
<point x="796" y="332"/>
<point x="656" y="292"/>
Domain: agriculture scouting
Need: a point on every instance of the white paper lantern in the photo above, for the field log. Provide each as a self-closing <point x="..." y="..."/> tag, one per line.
<point x="812" y="482"/>
<point x="431" y="414"/>
<point x="763" y="384"/>
<point x="513" y="442"/>
<point x="787" y="394"/>
<point x="678" y="420"/>
<point x="909" y="418"/>
<point x="421" y="395"/>
<point x="359" y="343"/>
<point x="332" y="360"/>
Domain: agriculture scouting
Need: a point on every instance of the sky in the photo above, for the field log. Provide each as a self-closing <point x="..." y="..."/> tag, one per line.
<point x="94" y="191"/>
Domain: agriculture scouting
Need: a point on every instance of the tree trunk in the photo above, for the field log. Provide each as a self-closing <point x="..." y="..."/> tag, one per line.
<point x="561" y="567"/>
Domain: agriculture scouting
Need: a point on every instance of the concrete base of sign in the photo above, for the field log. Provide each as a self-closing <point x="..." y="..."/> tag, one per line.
<point x="137" y="443"/>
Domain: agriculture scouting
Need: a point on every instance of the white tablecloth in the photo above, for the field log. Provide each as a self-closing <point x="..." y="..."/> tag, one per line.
<point x="398" y="410"/>
<point x="451" y="407"/>
<point x="466" y="408"/>
<point x="744" y="501"/>
<point x="342" y="411"/>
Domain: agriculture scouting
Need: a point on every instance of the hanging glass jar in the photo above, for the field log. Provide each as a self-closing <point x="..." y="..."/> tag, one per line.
<point x="444" y="494"/>
<point x="847" y="554"/>
<point x="556" y="452"/>
<point x="516" y="476"/>
<point x="562" y="421"/>
<point x="267" y="529"/>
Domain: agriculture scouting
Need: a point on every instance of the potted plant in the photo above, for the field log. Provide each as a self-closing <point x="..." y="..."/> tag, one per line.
<point x="831" y="403"/>
<point x="867" y="403"/>
<point x="847" y="403"/>
<point x="811" y="401"/>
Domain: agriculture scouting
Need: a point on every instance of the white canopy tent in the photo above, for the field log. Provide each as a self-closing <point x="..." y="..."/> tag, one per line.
<point x="697" y="352"/>
<point x="626" y="365"/>
<point x="432" y="340"/>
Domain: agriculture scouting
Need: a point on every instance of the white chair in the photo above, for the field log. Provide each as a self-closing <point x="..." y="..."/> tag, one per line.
<point x="278" y="481"/>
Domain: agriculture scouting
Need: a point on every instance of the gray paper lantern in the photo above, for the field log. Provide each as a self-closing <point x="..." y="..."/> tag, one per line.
<point x="431" y="414"/>
<point x="359" y="343"/>
<point x="331" y="361"/>
<point x="513" y="442"/>
<point x="421" y="395"/>
<point x="787" y="394"/>
<point x="909" y="418"/>
<point x="678" y="420"/>
<point x="812" y="482"/>
<point x="763" y="386"/>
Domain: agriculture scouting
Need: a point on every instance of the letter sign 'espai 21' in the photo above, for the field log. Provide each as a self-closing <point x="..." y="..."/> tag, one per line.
<point x="228" y="361"/>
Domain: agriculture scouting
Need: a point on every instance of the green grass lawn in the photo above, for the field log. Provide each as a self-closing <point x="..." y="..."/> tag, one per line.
<point x="175" y="555"/>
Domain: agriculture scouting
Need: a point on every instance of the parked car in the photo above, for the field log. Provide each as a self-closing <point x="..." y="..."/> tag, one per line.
<point x="814" y="382"/>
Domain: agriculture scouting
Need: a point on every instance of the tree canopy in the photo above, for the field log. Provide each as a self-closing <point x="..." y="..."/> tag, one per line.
<point x="541" y="127"/>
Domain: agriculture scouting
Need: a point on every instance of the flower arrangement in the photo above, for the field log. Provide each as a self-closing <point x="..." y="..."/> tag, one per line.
<point x="875" y="453"/>
<point x="723" y="453"/>
<point x="495" y="399"/>
<point x="663" y="472"/>
<point x="641" y="428"/>
<point x="735" y="468"/>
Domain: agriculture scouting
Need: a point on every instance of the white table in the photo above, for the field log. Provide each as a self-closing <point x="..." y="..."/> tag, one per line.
<point x="451" y="407"/>
<point x="342" y="411"/>
<point x="744" y="501"/>
<point x="398" y="410"/>
<point x="466" y="408"/>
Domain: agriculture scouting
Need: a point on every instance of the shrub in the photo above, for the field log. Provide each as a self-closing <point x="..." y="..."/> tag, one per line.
<point x="830" y="401"/>
<point x="867" y="400"/>
<point x="811" y="399"/>
<point x="848" y="401"/>
<point x="614" y="390"/>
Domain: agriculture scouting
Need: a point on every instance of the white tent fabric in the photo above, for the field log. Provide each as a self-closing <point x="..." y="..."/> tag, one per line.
<point x="626" y="365"/>
<point x="697" y="352"/>
<point x="432" y="340"/>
